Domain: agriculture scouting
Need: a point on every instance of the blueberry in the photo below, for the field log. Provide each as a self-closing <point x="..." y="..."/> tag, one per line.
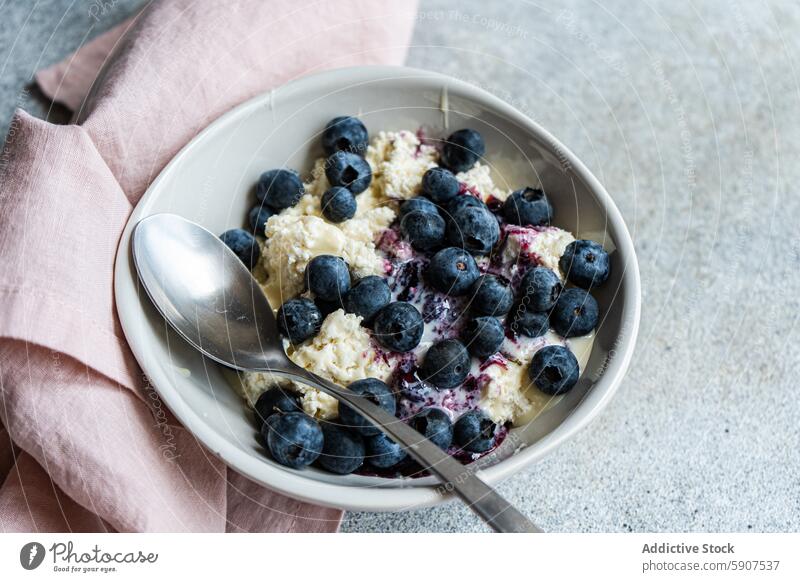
<point x="338" y="204"/>
<point x="459" y="203"/>
<point x="434" y="425"/>
<point x="452" y="271"/>
<point x="576" y="313"/>
<point x="446" y="364"/>
<point x="243" y="244"/>
<point x="440" y="185"/>
<point x="528" y="206"/>
<point x="419" y="203"/>
<point x="464" y="201"/>
<point x="294" y="439"/>
<point x="424" y="230"/>
<point x="554" y="370"/>
<point x="279" y="189"/>
<point x="299" y="319"/>
<point x="474" y="229"/>
<point x="383" y="452"/>
<point x="474" y="431"/>
<point x="483" y="336"/>
<point x="276" y="400"/>
<point x="462" y="149"/>
<point x="585" y="263"/>
<point x="491" y="295"/>
<point x="342" y="451"/>
<point x="368" y="296"/>
<point x="346" y="134"/>
<point x="525" y="321"/>
<point x="328" y="277"/>
<point x="540" y="287"/>
<point x="327" y="307"/>
<point x="398" y="327"/>
<point x="258" y="217"/>
<point x="348" y="170"/>
<point x="376" y="392"/>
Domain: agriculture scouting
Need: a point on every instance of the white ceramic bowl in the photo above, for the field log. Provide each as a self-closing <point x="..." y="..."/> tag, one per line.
<point x="211" y="182"/>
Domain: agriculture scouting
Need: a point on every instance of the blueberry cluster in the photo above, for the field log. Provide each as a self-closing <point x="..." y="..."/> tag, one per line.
<point x="345" y="142"/>
<point x="345" y="444"/>
<point x="450" y="227"/>
<point x="455" y="227"/>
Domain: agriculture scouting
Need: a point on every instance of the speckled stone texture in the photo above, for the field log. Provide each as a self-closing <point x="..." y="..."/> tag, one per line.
<point x="688" y="113"/>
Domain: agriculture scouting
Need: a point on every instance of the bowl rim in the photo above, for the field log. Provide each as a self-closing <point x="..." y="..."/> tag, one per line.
<point x="402" y="497"/>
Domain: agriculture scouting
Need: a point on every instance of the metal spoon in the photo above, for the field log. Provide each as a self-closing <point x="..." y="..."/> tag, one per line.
<point x="205" y="292"/>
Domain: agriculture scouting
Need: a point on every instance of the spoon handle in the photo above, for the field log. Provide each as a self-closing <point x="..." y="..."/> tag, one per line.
<point x="462" y="480"/>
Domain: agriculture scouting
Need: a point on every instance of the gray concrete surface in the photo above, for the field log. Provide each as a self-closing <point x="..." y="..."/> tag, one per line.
<point x="688" y="113"/>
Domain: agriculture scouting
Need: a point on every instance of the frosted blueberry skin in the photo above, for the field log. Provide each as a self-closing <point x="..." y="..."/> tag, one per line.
<point x="522" y="320"/>
<point x="345" y="133"/>
<point x="342" y="450"/>
<point x="424" y="230"/>
<point x="348" y="170"/>
<point x="576" y="313"/>
<point x="554" y="370"/>
<point x="376" y="392"/>
<point x="434" y="425"/>
<point x="398" y="327"/>
<point x="419" y="203"/>
<point x="328" y="277"/>
<point x="338" y="204"/>
<point x="491" y="296"/>
<point x="474" y="431"/>
<point x="462" y="149"/>
<point x="585" y="263"/>
<point x="459" y="203"/>
<point x="294" y="439"/>
<point x="464" y="201"/>
<point x="446" y="364"/>
<point x="258" y="217"/>
<point x="382" y="452"/>
<point x="299" y="319"/>
<point x="279" y="189"/>
<point x="369" y="295"/>
<point x="275" y="400"/>
<point x="474" y="229"/>
<point x="540" y="287"/>
<point x="440" y="185"/>
<point x="244" y="245"/>
<point x="483" y="336"/>
<point x="528" y="207"/>
<point x="452" y="271"/>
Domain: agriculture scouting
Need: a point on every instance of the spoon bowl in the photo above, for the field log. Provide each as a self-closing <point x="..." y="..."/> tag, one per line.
<point x="205" y="292"/>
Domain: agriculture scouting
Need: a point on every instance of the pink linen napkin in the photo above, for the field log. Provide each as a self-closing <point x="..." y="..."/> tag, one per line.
<point x="85" y="444"/>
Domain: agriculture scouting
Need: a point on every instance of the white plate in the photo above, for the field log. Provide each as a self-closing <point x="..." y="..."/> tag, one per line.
<point x="211" y="182"/>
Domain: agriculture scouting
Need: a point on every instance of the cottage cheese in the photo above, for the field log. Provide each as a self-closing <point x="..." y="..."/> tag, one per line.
<point x="506" y="391"/>
<point x="342" y="352"/>
<point x="544" y="245"/>
<point x="398" y="161"/>
<point x="479" y="179"/>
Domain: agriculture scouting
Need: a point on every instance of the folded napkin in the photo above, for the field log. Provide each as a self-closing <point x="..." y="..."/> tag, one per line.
<point x="85" y="443"/>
